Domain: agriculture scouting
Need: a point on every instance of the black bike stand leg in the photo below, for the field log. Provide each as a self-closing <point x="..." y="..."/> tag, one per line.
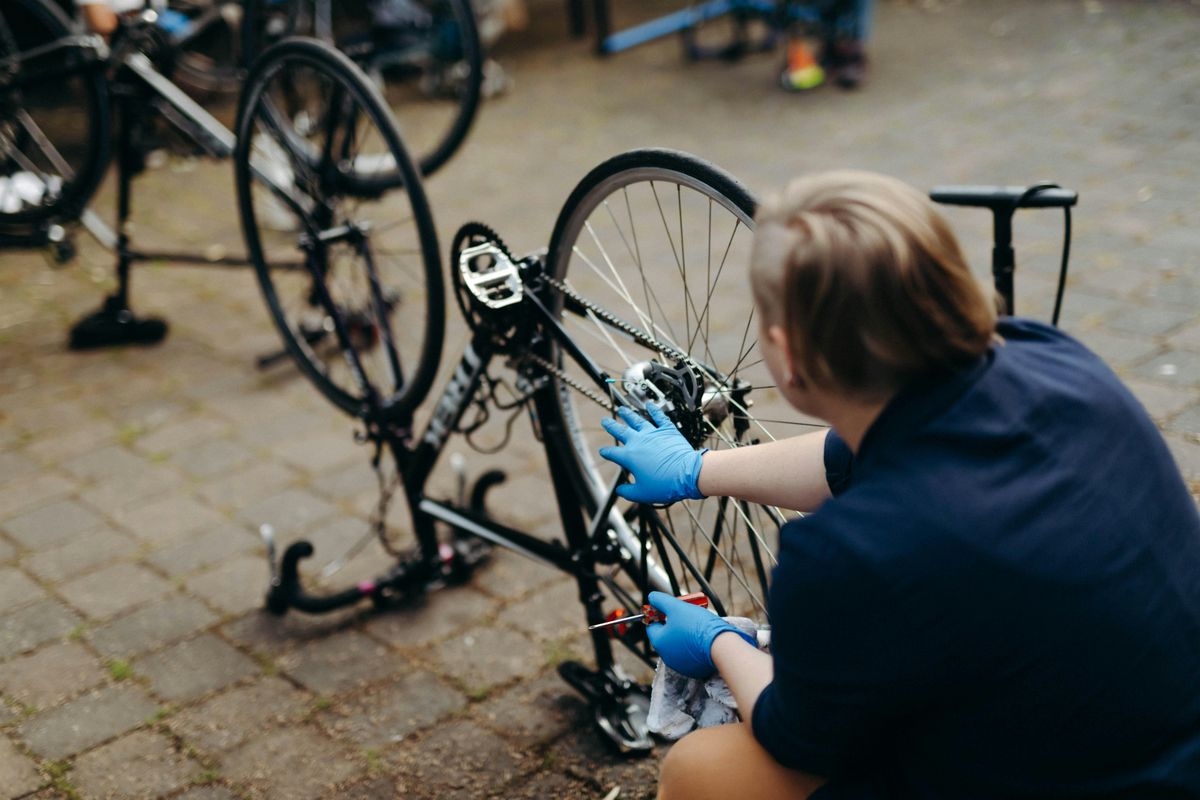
<point x="114" y="323"/>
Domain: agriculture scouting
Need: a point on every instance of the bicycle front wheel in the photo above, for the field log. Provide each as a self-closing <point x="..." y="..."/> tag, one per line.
<point x="350" y="273"/>
<point x="651" y="252"/>
<point x="54" y="116"/>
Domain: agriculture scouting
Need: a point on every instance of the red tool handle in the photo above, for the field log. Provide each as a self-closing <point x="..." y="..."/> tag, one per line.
<point x="654" y="615"/>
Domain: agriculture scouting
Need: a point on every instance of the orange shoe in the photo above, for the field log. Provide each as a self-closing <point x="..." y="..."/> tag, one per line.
<point x="802" y="71"/>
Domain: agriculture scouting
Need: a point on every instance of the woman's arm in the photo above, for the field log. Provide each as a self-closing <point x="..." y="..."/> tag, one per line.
<point x="746" y="670"/>
<point x="789" y="473"/>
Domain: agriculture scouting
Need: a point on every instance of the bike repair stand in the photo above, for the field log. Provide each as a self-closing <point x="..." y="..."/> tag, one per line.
<point x="114" y="323"/>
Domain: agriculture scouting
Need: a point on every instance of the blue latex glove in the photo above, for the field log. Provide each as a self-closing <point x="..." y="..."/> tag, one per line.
<point x="685" y="640"/>
<point x="664" y="466"/>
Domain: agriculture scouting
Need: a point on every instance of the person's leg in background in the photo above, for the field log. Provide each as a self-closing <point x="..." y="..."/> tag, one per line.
<point x="848" y="61"/>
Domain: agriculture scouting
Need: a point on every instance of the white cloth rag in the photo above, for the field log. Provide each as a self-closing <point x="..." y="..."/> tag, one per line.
<point x="679" y="703"/>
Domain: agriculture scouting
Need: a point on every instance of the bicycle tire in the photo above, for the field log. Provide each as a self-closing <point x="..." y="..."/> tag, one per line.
<point x="33" y="23"/>
<point x="209" y="55"/>
<point x="736" y="572"/>
<point x="367" y="297"/>
<point x="451" y="46"/>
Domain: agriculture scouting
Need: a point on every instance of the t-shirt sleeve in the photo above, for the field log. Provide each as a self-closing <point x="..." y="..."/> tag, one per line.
<point x="850" y="652"/>
<point x="839" y="463"/>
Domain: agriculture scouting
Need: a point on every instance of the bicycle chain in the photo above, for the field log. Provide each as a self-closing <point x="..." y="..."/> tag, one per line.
<point x="567" y="379"/>
<point x="640" y="336"/>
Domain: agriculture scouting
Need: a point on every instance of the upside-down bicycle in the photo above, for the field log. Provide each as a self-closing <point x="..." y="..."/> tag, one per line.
<point x="641" y="295"/>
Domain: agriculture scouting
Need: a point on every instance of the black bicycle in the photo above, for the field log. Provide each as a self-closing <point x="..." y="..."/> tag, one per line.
<point x="325" y="146"/>
<point x="641" y="295"/>
<point x="424" y="55"/>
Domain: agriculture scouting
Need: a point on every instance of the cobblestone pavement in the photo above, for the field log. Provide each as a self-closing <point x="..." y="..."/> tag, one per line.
<point x="134" y="661"/>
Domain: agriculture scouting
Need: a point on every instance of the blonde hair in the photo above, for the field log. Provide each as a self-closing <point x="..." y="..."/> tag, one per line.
<point x="868" y="281"/>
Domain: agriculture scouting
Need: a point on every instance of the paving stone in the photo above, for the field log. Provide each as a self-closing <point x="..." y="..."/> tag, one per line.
<point x="1118" y="351"/>
<point x="1161" y="401"/>
<point x="341" y="661"/>
<point x="143" y="764"/>
<point x="434" y="617"/>
<point x="50" y="675"/>
<point x="484" y="657"/>
<point x="290" y="511"/>
<point x="584" y="752"/>
<point x="28" y="627"/>
<point x="507" y="574"/>
<point x="293" y="425"/>
<point x="194" y="667"/>
<point x="247" y="487"/>
<point x="92" y="549"/>
<point x="205" y="548"/>
<point x="230" y="719"/>
<point x="87" y="721"/>
<point x="102" y="594"/>
<point x="1187" y="338"/>
<point x="535" y="712"/>
<point x="1146" y="321"/>
<point x="483" y="762"/>
<point x="169" y="519"/>
<point x="380" y="788"/>
<point x="348" y="480"/>
<point x="266" y="633"/>
<point x="375" y="719"/>
<point x="27" y="493"/>
<point x="298" y="763"/>
<point x="52" y="524"/>
<point x="15" y="465"/>
<point x="105" y="462"/>
<point x="1187" y="456"/>
<point x="234" y="586"/>
<point x="183" y="433"/>
<point x="1186" y="422"/>
<point x="212" y="458"/>
<point x="114" y="496"/>
<point x="1176" y="367"/>
<point x="321" y="450"/>
<point x="73" y="442"/>
<point x="16" y="589"/>
<point x="550" y="613"/>
<point x="18" y="773"/>
<point x="553" y="784"/>
<point x="207" y="793"/>
<point x="146" y="628"/>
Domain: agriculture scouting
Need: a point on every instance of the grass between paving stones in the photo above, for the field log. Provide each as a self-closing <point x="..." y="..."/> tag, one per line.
<point x="119" y="669"/>
<point x="374" y="761"/>
<point x="266" y="664"/>
<point x="57" y="772"/>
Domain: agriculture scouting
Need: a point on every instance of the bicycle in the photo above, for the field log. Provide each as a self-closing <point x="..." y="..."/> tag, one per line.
<point x="633" y="300"/>
<point x="298" y="85"/>
<point x="427" y="62"/>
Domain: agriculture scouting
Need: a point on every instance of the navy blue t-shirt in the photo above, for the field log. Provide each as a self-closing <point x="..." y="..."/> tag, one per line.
<point x="1002" y="600"/>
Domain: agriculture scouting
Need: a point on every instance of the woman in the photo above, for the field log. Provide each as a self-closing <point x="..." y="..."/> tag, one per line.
<point x="998" y="592"/>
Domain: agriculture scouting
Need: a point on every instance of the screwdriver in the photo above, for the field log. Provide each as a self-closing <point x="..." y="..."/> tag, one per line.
<point x="652" y="614"/>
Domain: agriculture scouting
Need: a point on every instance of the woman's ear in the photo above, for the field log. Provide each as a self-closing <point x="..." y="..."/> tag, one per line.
<point x="779" y="340"/>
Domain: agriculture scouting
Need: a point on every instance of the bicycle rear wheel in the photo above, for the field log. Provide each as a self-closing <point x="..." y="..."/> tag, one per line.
<point x="424" y="55"/>
<point x="351" y="274"/>
<point x="660" y="240"/>
<point x="55" y="124"/>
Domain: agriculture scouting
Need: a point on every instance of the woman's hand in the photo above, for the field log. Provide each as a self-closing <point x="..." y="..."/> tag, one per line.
<point x="665" y="467"/>
<point x="684" y="641"/>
